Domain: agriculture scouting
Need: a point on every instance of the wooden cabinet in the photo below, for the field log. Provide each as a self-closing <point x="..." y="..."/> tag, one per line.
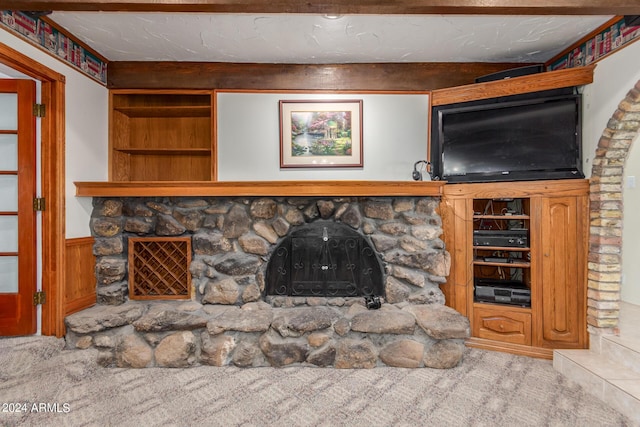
<point x="161" y="136"/>
<point x="530" y="237"/>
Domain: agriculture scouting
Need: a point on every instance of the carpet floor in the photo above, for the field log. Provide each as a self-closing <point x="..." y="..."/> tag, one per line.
<point x="41" y="384"/>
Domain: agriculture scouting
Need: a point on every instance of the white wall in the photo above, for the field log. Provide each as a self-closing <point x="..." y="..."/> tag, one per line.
<point x="86" y="131"/>
<point x="614" y="77"/>
<point x="394" y="137"/>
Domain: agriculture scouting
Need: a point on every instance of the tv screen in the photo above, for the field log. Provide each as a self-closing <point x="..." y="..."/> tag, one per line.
<point x="509" y="139"/>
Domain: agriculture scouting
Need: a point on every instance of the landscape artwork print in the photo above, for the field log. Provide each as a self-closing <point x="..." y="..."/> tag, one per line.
<point x="320" y="133"/>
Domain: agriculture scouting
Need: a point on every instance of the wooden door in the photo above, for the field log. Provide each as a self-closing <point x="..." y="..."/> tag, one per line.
<point x="563" y="286"/>
<point x="17" y="216"/>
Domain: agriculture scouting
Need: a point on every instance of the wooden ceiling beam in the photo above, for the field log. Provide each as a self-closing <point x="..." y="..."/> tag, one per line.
<point x="378" y="7"/>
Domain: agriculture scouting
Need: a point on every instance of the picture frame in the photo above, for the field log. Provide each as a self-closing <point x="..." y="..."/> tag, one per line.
<point x="321" y="133"/>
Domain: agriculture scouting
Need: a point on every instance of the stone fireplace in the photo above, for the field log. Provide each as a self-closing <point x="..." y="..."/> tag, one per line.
<point x="277" y="281"/>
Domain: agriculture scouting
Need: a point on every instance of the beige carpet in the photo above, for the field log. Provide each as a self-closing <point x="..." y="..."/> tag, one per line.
<point x="488" y="389"/>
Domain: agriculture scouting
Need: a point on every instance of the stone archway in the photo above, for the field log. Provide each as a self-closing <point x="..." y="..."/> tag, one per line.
<point x="605" y="233"/>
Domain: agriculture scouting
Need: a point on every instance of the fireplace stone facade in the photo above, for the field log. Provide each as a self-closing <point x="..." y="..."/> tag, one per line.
<point x="231" y="319"/>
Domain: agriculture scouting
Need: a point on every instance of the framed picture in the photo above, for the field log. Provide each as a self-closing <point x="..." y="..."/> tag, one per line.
<point x="321" y="134"/>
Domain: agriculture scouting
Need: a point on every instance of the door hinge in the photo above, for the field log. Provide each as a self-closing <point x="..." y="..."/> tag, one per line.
<point x="39" y="110"/>
<point x="39" y="298"/>
<point x="38" y="203"/>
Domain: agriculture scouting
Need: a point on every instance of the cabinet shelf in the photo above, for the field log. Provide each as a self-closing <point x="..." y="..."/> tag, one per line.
<point x="166" y="111"/>
<point x="501" y="248"/>
<point x="525" y="309"/>
<point x="502" y="217"/>
<point x="165" y="151"/>
<point x="515" y="264"/>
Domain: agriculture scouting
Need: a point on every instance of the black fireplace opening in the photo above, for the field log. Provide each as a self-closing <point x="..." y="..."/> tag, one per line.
<point x="325" y="259"/>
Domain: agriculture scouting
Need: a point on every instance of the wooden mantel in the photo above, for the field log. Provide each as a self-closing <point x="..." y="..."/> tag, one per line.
<point x="259" y="188"/>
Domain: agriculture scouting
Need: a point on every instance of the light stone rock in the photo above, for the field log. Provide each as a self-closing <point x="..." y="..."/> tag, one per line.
<point x="253" y="244"/>
<point x="266" y="231"/>
<point x="245" y="354"/>
<point x="384" y="322"/>
<point x="318" y="339"/>
<point x="440" y="321"/>
<point x="251" y="293"/>
<point x="99" y="318"/>
<point x="396" y="291"/>
<point x="210" y="243"/>
<point x="425" y="232"/>
<point x="216" y="350"/>
<point x="225" y="291"/>
<point x="404" y="353"/>
<point x="85" y="342"/>
<point x="293" y="322"/>
<point x="444" y="355"/>
<point x="324" y="356"/>
<point x="133" y="352"/>
<point x="159" y="318"/>
<point x="413" y="277"/>
<point x="378" y="209"/>
<point x="236" y="223"/>
<point x="241" y="320"/>
<point x="355" y="354"/>
<point x="176" y="350"/>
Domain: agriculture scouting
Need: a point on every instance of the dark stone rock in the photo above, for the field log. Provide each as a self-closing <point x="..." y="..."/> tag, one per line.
<point x="241" y="319"/>
<point x="293" y="322"/>
<point x="263" y="208"/>
<point x="210" y="243"/>
<point x="294" y="216"/>
<point x="218" y="206"/>
<point x="324" y="356"/>
<point x="160" y="318"/>
<point x="191" y="203"/>
<point x="352" y="217"/>
<point x="191" y="219"/>
<point x="106" y="226"/>
<point x="169" y="226"/>
<point x="136" y="208"/>
<point x="383" y="243"/>
<point x="139" y="226"/>
<point x="439" y="321"/>
<point x="177" y="350"/>
<point x="108" y="246"/>
<point x="444" y="355"/>
<point x="281" y="352"/>
<point x="238" y="264"/>
<point x="107" y="207"/>
<point x="311" y="212"/>
<point x="403" y="354"/>
<point x="326" y="208"/>
<point x="102" y="317"/>
<point x="216" y="351"/>
<point x="159" y="207"/>
<point x="245" y="354"/>
<point x="378" y="209"/>
<point x="236" y="223"/>
<point x="355" y="354"/>
<point x="113" y="294"/>
<point x="384" y="322"/>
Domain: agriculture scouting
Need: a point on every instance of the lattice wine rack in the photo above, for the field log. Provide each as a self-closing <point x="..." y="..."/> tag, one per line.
<point x="159" y="268"/>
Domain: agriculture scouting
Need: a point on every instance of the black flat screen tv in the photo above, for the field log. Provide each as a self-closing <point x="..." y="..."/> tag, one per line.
<point x="522" y="137"/>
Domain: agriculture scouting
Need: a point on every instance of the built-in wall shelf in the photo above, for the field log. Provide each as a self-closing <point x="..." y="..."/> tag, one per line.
<point x="260" y="188"/>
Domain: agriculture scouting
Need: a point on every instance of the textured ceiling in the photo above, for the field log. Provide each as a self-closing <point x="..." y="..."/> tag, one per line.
<point x="315" y="39"/>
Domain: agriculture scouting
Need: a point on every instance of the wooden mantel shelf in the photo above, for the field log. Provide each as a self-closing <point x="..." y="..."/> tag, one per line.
<point x="259" y="188"/>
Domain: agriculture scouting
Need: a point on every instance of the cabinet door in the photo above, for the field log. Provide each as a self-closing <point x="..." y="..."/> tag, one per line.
<point x="563" y="290"/>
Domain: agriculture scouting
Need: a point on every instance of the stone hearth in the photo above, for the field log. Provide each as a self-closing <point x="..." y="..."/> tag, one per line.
<point x="232" y="320"/>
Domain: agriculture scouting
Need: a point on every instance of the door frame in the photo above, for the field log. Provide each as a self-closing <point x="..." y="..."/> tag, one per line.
<point x="52" y="139"/>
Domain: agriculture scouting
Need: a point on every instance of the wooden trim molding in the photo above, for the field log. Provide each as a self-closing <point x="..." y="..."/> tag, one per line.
<point x="261" y="188"/>
<point x="517" y="85"/>
<point x="409" y="76"/>
<point x="499" y="7"/>
<point x="52" y="181"/>
<point x="80" y="289"/>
